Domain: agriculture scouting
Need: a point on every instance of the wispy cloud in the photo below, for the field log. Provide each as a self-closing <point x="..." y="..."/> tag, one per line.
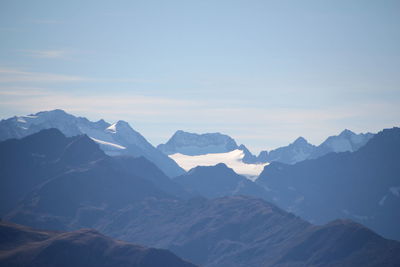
<point x="8" y="75"/>
<point x="50" y="54"/>
<point x="16" y="91"/>
<point x="42" y="97"/>
<point x="12" y="75"/>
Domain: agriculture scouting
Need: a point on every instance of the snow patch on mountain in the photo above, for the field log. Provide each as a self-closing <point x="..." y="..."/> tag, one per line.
<point x="233" y="159"/>
<point x="112" y="128"/>
<point x="111" y="145"/>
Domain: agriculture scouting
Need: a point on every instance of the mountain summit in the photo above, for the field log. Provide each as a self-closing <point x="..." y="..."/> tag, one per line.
<point x="193" y="144"/>
<point x="345" y="141"/>
<point x="297" y="151"/>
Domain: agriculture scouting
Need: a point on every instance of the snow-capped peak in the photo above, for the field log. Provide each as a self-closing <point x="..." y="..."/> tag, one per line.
<point x="198" y="144"/>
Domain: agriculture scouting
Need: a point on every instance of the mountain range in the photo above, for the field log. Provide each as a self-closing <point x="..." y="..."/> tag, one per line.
<point x="120" y="139"/>
<point x="194" y="145"/>
<point x="69" y="184"/>
<point x="363" y="185"/>
<point x="115" y="139"/>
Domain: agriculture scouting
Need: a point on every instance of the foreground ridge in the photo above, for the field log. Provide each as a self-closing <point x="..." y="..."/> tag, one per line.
<point x="22" y="246"/>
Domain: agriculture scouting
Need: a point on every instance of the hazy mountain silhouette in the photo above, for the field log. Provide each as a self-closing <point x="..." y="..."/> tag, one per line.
<point x="218" y="181"/>
<point x="51" y="163"/>
<point x="297" y="151"/>
<point x="345" y="141"/>
<point x="363" y="185"/>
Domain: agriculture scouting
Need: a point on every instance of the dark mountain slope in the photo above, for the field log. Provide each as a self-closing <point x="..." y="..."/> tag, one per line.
<point x="54" y="164"/>
<point x="145" y="169"/>
<point x="218" y="181"/>
<point x="341" y="243"/>
<point x="32" y="160"/>
<point x="242" y="231"/>
<point x="363" y="185"/>
<point x="21" y="246"/>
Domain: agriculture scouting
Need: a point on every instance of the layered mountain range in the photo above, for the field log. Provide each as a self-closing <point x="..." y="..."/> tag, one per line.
<point x="192" y="144"/>
<point x="115" y="139"/>
<point x="120" y="139"/>
<point x="363" y="185"/>
<point x="211" y="215"/>
<point x="69" y="183"/>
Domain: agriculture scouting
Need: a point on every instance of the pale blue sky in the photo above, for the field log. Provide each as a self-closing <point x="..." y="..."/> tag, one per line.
<point x="264" y="72"/>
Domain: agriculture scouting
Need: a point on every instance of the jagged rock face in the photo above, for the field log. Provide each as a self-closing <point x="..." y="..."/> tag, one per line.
<point x="115" y="139"/>
<point x="198" y="144"/>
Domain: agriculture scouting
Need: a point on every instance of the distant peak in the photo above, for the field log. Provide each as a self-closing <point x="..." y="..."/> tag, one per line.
<point x="300" y="140"/>
<point x="57" y="111"/>
<point x="119" y="125"/>
<point x="54" y="112"/>
<point x="180" y="133"/>
<point x="219" y="166"/>
<point x="184" y="133"/>
<point x="346" y="132"/>
<point x="122" y="123"/>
